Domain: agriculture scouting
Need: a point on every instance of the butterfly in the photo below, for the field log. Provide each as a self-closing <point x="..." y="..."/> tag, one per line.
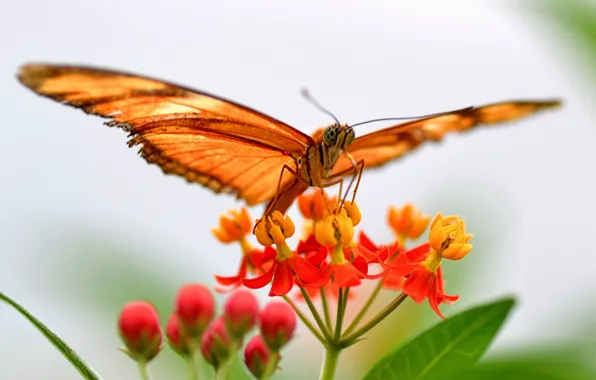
<point x="230" y="148"/>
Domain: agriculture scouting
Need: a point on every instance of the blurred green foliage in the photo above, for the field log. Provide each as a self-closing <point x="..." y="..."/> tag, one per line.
<point x="572" y="23"/>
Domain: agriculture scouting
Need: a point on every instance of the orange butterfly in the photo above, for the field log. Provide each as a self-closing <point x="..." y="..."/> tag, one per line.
<point x="231" y="148"/>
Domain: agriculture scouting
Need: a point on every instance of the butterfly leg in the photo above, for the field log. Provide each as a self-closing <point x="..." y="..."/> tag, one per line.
<point x="357" y="169"/>
<point x="330" y="183"/>
<point x="271" y="207"/>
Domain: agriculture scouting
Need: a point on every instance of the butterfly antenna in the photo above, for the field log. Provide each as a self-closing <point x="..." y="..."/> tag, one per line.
<point x="413" y="117"/>
<point x="306" y="94"/>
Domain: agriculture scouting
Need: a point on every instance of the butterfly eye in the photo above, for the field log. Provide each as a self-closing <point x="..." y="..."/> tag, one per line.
<point x="350" y="135"/>
<point x="330" y="135"/>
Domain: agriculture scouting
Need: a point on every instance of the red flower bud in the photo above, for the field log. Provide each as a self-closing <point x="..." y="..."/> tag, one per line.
<point x="278" y="322"/>
<point x="216" y="344"/>
<point x="257" y="356"/>
<point x="240" y="312"/>
<point x="139" y="328"/>
<point x="176" y="339"/>
<point x="195" y="307"/>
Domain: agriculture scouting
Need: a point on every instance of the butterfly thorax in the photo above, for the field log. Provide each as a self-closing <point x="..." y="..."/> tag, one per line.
<point x="323" y="156"/>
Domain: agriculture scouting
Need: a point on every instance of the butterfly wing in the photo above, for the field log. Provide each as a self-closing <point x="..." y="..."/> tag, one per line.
<point x="388" y="144"/>
<point x="217" y="143"/>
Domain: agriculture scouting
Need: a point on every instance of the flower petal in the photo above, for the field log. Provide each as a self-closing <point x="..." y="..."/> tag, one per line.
<point x="318" y="257"/>
<point x="365" y="241"/>
<point x="345" y="275"/>
<point x="418" y="285"/>
<point x="283" y="281"/>
<point x="419" y="253"/>
<point x="306" y="271"/>
<point x="260" y="281"/>
<point x="308" y="245"/>
<point x="229" y="280"/>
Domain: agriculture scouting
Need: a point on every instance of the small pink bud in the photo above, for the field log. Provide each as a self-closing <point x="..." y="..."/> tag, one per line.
<point x="241" y="312"/>
<point x="139" y="328"/>
<point x="278" y="322"/>
<point x="257" y="356"/>
<point x="195" y="307"/>
<point x="217" y="345"/>
<point x="175" y="337"/>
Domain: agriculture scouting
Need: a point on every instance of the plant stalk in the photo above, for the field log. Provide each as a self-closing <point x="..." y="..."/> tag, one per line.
<point x="353" y="337"/>
<point x="330" y="363"/>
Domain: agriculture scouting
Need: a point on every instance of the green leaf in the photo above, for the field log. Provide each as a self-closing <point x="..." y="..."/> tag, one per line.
<point x="454" y="344"/>
<point x="74" y="358"/>
<point x="560" y="364"/>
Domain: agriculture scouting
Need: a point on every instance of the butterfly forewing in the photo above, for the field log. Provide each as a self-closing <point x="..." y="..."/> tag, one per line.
<point x="206" y="139"/>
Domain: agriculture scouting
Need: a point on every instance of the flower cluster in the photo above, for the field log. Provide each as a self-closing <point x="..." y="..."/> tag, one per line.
<point x="193" y="329"/>
<point x="329" y="260"/>
<point x="329" y="257"/>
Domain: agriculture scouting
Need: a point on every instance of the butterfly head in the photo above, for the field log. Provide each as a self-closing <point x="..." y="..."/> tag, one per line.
<point x="338" y="137"/>
<point x="335" y="141"/>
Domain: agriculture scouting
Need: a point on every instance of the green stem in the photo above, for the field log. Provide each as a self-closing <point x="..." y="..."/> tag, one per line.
<point x="315" y="314"/>
<point x="221" y="373"/>
<point x="305" y="320"/>
<point x="353" y="337"/>
<point x="342" y="304"/>
<point x="364" y="309"/>
<point x="325" y="305"/>
<point x="271" y="365"/>
<point x="330" y="364"/>
<point x="143" y="369"/>
<point x="191" y="368"/>
<point x="195" y="364"/>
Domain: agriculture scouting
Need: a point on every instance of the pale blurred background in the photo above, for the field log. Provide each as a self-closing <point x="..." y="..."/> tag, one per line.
<point x="87" y="225"/>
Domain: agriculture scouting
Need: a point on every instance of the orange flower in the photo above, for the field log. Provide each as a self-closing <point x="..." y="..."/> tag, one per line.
<point x="425" y="283"/>
<point x="338" y="228"/>
<point x="234" y="226"/>
<point x="316" y="205"/>
<point x="386" y="255"/>
<point x="255" y="261"/>
<point x="447" y="239"/>
<point x="407" y="221"/>
<point x="287" y="264"/>
<point x="349" y="262"/>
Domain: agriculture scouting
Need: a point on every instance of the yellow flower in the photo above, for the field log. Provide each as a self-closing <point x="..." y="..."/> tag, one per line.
<point x="353" y="212"/>
<point x="335" y="229"/>
<point x="234" y="226"/>
<point x="275" y="229"/>
<point x="407" y="221"/>
<point x="449" y="238"/>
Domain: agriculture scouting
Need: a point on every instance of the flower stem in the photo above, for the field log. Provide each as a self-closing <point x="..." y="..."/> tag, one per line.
<point x="353" y="337"/>
<point x="339" y="316"/>
<point x="315" y="314"/>
<point x="325" y="305"/>
<point x="330" y="364"/>
<point x="191" y="368"/>
<point x="271" y="365"/>
<point x="364" y="309"/>
<point x="305" y="320"/>
<point x="143" y="370"/>
<point x="342" y="304"/>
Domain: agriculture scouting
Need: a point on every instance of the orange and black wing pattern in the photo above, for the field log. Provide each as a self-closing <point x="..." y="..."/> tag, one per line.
<point x="388" y="144"/>
<point x="217" y="143"/>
